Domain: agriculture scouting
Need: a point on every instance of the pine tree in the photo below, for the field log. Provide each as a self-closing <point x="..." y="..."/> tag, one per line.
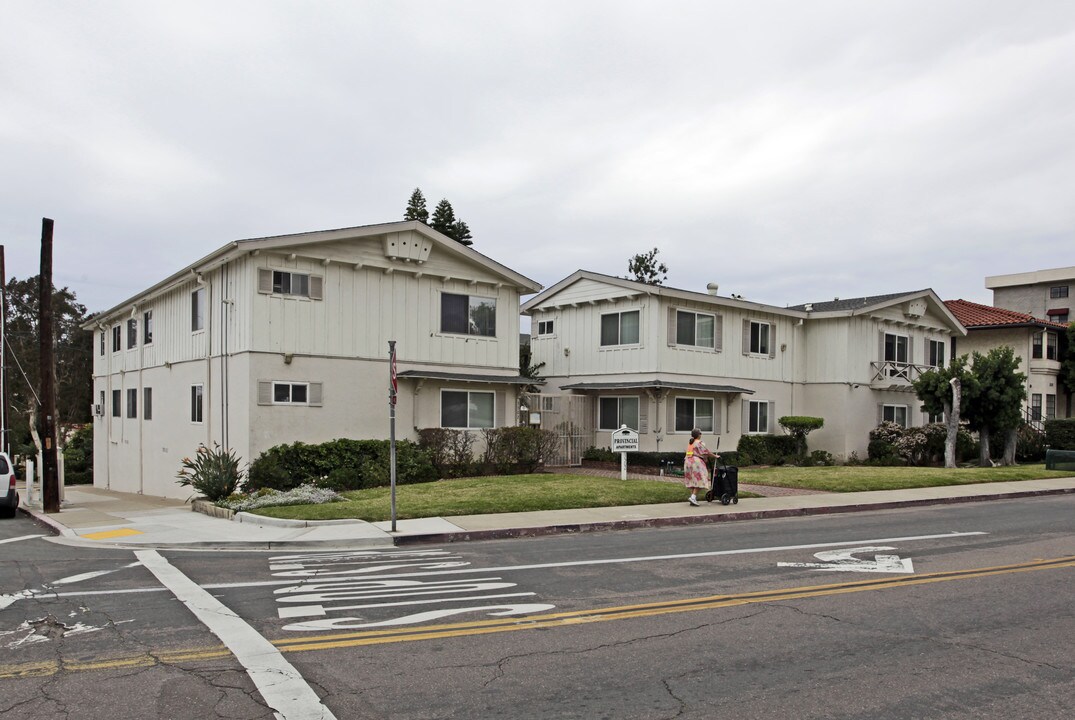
<point x="443" y="220"/>
<point x="416" y="207"/>
<point x="461" y="233"/>
<point x="646" y="269"/>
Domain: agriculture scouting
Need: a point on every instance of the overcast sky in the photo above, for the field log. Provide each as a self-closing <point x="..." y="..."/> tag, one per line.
<point x="789" y="151"/>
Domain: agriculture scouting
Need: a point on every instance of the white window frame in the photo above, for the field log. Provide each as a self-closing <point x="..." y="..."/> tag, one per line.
<point x="694" y="414"/>
<point x="470" y="421"/>
<point x="117" y="338"/>
<point x="1058" y="291"/>
<point x="117" y="400"/>
<point x="754" y="408"/>
<point x="132" y="333"/>
<point x="284" y="283"/>
<point x="1052" y="346"/>
<point x="147" y="403"/>
<point x="931" y="418"/>
<point x="697" y="316"/>
<point x="1050" y="407"/>
<point x="197" y="403"/>
<point x="1035" y="406"/>
<point x="473" y="302"/>
<point x="102" y="343"/>
<point x="885" y="407"/>
<point x="132" y="403"/>
<point x="546" y="328"/>
<point x="147" y="327"/>
<point x="290" y="392"/>
<point x="619" y="412"/>
<point x="935" y="351"/>
<point x="619" y="329"/>
<point x="896" y="348"/>
<point x="197" y="310"/>
<point x="759" y="350"/>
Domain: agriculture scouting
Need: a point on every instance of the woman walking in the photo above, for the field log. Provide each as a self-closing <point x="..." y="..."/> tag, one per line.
<point x="695" y="471"/>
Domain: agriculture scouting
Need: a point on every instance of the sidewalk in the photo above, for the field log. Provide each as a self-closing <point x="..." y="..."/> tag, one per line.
<point x="103" y="518"/>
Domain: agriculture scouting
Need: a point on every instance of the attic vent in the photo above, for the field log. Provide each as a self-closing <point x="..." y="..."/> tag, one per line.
<point x="809" y="307"/>
<point x="407" y="246"/>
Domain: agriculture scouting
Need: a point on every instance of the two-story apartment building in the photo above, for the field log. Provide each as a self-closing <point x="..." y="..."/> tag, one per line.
<point x="1036" y="343"/>
<point x="283" y="339"/>
<point x="664" y="361"/>
<point x="1043" y="293"/>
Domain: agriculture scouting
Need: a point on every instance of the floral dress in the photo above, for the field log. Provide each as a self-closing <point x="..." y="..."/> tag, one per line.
<point x="695" y="471"/>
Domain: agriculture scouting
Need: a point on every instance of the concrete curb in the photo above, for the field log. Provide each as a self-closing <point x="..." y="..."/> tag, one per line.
<point x="250" y="518"/>
<point x="220" y="546"/>
<point x="42" y="518"/>
<point x="569" y="529"/>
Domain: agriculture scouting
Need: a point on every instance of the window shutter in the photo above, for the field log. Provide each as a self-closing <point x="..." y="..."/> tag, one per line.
<point x="313" y="396"/>
<point x="643" y="415"/>
<point x="500" y="416"/>
<point x="265" y="281"/>
<point x="718" y="411"/>
<point x="880" y="413"/>
<point x="772" y="339"/>
<point x="264" y="392"/>
<point x="881" y="347"/>
<point x="910" y="349"/>
<point x="670" y="413"/>
<point x="317" y="283"/>
<point x="746" y="417"/>
<point x="718" y="333"/>
<point x="746" y="337"/>
<point x="673" y="326"/>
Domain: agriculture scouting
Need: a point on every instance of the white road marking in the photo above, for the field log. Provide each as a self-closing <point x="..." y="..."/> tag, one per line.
<point x="354" y="623"/>
<point x="574" y="563"/>
<point x="279" y="683"/>
<point x="24" y="537"/>
<point x="6" y="600"/>
<point x="845" y="561"/>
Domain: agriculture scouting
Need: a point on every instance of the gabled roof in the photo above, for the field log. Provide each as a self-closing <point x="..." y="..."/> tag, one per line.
<point x="239" y="247"/>
<point x="838" y="305"/>
<point x="978" y="317"/>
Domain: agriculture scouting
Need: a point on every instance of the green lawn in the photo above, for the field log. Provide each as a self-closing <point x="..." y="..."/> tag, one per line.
<point x="521" y="493"/>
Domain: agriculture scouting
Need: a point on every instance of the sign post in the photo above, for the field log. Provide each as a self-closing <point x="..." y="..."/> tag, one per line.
<point x="624" y="440"/>
<point x="393" y="388"/>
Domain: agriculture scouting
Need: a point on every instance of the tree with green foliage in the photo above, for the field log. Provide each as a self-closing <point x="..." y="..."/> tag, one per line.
<point x="998" y="404"/>
<point x="799" y="426"/>
<point x="1067" y="359"/>
<point x="73" y="351"/>
<point x="444" y="221"/>
<point x="416" y="207"/>
<point x="947" y="390"/>
<point x="645" y="268"/>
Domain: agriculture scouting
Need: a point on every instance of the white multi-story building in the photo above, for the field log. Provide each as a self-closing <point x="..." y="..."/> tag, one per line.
<point x="284" y="339"/>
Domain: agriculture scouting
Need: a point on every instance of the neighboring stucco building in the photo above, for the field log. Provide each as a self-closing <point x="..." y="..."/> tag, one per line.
<point x="283" y="339"/>
<point x="664" y="361"/>
<point x="1036" y="343"/>
<point x="1042" y="294"/>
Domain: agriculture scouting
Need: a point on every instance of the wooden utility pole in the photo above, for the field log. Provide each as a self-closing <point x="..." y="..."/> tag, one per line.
<point x="50" y="477"/>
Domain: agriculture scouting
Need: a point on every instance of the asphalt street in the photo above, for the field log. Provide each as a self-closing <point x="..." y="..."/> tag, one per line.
<point x="957" y="611"/>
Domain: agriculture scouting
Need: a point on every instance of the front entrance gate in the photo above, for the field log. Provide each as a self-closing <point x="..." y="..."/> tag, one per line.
<point x="571" y="418"/>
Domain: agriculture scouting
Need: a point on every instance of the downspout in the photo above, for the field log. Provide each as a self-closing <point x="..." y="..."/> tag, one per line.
<point x="105" y="416"/>
<point x="225" y="304"/>
<point x="206" y="398"/>
<point x="140" y="400"/>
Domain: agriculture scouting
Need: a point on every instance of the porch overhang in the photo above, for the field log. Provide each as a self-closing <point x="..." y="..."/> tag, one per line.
<point x="468" y="377"/>
<point x="657" y="385"/>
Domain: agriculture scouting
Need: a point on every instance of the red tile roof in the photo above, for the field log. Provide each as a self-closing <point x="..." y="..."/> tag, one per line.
<point x="973" y="315"/>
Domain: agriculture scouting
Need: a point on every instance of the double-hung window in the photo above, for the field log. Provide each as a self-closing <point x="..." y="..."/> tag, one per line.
<point x="935" y="358"/>
<point x="102" y="342"/>
<point x="895" y="414"/>
<point x="147" y="403"/>
<point x="616" y="411"/>
<point x="467" y="410"/>
<point x="1035" y="406"/>
<point x="1051" y="346"/>
<point x="694" y="329"/>
<point x="132" y="333"/>
<point x="694" y="413"/>
<point x="468" y="315"/>
<point x="620" y="328"/>
<point x="1050" y="407"/>
<point x="1044" y="345"/>
<point x="897" y="355"/>
<point x="116" y="399"/>
<point x="147" y="327"/>
<point x="197" y="311"/>
<point x="117" y="338"/>
<point x="196" y="396"/>
<point x="758" y="416"/>
<point x="132" y="403"/>
<point x="759" y="338"/>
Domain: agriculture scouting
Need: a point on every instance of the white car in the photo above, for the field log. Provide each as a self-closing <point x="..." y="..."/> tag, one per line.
<point x="9" y="499"/>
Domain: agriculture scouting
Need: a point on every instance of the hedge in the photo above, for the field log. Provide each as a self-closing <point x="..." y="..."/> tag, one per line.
<point x="340" y="464"/>
<point x="768" y="449"/>
<point x="651" y="459"/>
<point x="1060" y="434"/>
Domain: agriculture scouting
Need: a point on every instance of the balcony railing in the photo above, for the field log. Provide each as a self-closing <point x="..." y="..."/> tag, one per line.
<point x="896" y="373"/>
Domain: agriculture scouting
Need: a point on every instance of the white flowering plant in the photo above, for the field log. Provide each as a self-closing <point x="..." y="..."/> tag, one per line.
<point x="302" y="495"/>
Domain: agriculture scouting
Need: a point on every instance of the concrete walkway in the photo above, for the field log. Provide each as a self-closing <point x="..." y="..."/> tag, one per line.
<point x="103" y="518"/>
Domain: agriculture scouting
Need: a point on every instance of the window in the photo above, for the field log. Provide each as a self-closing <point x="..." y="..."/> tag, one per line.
<point x="694" y="329"/>
<point x="1036" y="346"/>
<point x="102" y="342"/>
<point x="758" y="416"/>
<point x="147" y="403"/>
<point x="1050" y="346"/>
<point x="1058" y="292"/>
<point x="132" y="333"/>
<point x="545" y="327"/>
<point x="1050" y="407"/>
<point x="935" y="417"/>
<point x="616" y="411"/>
<point x="197" y="310"/>
<point x="1059" y="316"/>
<point x="896" y="348"/>
<point x="466" y="410"/>
<point x="147" y="327"/>
<point x="196" y="403"/>
<point x="1044" y="344"/>
<point x="1035" y="406"/>
<point x="116" y="399"/>
<point x="895" y="414"/>
<point x="468" y="315"/>
<point x="620" y="329"/>
<point x="935" y="358"/>
<point x="759" y="338"/>
<point x="294" y="393"/>
<point x="289" y="283"/>
<point x="132" y="403"/>
<point x="116" y="338"/>
<point x="694" y="413"/>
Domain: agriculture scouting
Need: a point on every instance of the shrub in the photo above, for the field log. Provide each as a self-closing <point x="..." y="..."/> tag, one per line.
<point x="213" y="473"/>
<point x="450" y="451"/>
<point x="302" y="495"/>
<point x="821" y="457"/>
<point x="767" y="449"/>
<point x="78" y="457"/>
<point x="365" y="463"/>
<point x="1060" y="434"/>
<point x="518" y="449"/>
<point x="799" y="426"/>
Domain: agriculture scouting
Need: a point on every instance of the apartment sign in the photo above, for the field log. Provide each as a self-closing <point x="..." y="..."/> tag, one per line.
<point x="624" y="440"/>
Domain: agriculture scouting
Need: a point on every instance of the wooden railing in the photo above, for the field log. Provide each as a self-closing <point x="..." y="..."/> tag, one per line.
<point x="890" y="371"/>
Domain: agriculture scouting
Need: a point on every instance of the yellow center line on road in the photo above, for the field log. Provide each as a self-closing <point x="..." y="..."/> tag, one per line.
<point x="531" y="622"/>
